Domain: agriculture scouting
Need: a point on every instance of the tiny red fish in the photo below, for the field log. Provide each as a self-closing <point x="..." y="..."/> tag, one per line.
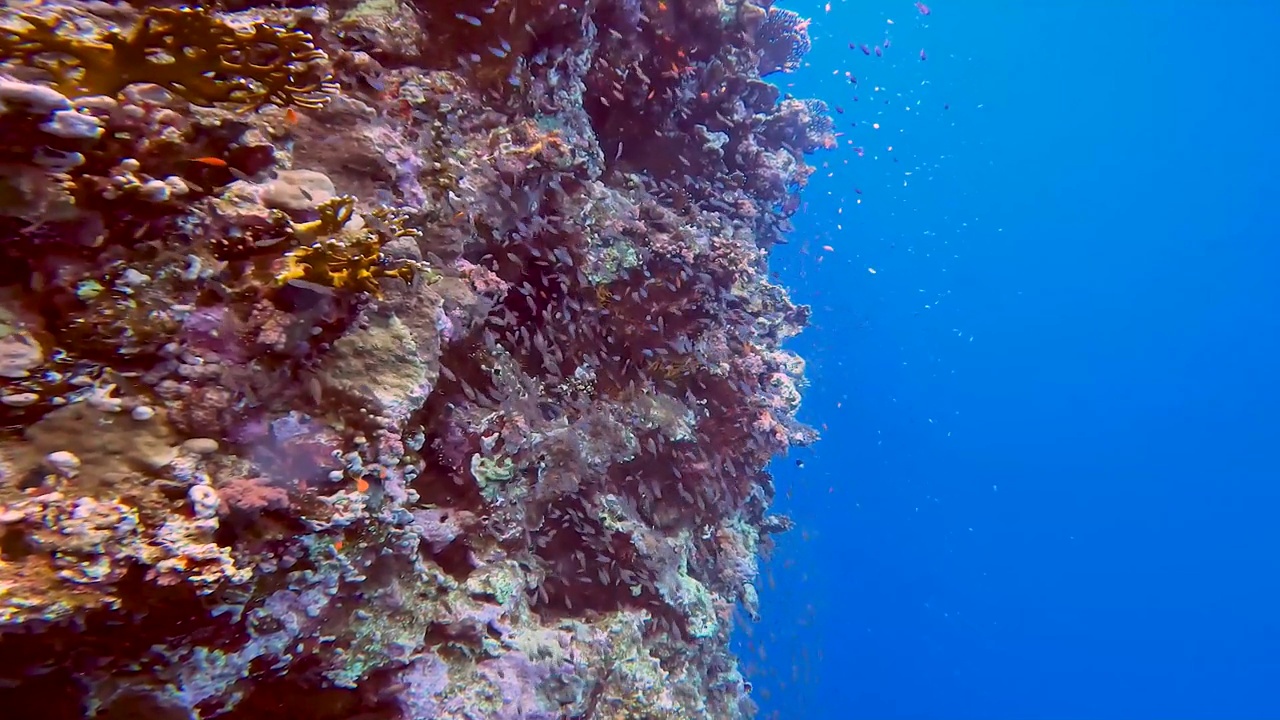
<point x="923" y="56"/>
<point x="924" y="9"/>
<point x="212" y="161"/>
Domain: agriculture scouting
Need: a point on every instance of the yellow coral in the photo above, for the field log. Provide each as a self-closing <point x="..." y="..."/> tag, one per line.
<point x="334" y="215"/>
<point x="345" y="259"/>
<point x="188" y="51"/>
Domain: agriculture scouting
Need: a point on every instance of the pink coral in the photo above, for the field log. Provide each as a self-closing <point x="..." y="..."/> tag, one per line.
<point x="252" y="495"/>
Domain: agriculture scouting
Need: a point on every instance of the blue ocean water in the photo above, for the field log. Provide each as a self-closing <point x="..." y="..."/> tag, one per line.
<point x="1049" y="480"/>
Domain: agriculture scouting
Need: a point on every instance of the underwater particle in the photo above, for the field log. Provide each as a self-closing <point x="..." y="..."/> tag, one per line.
<point x="871" y="270"/>
<point x="154" y="191"/>
<point x="65" y="463"/>
<point x="73" y="124"/>
<point x="19" y="355"/>
<point x="204" y="501"/>
<point x="26" y="399"/>
<point x="201" y="446"/>
<point x="100" y="398"/>
<point x="36" y="99"/>
<point x="298" y="190"/>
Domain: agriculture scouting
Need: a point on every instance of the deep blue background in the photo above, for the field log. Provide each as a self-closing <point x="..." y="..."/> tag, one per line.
<point x="1050" y="488"/>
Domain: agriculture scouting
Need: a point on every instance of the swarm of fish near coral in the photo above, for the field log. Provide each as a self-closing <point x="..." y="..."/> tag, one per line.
<point x="391" y="359"/>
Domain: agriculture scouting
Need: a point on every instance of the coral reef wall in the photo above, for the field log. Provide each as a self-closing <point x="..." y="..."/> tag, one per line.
<point x="391" y="359"/>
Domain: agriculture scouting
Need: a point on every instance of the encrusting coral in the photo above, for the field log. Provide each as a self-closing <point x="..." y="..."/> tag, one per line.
<point x="392" y="359"/>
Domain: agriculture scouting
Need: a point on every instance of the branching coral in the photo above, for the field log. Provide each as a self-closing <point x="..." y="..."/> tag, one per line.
<point x="342" y="258"/>
<point x="188" y="51"/>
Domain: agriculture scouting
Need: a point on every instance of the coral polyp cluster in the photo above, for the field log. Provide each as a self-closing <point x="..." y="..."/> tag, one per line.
<point x="391" y="359"/>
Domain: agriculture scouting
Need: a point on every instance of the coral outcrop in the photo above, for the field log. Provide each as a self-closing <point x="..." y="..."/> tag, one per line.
<point x="391" y="359"/>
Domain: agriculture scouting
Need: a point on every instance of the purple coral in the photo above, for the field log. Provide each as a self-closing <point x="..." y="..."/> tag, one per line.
<point x="440" y="526"/>
<point x="420" y="686"/>
<point x="516" y="680"/>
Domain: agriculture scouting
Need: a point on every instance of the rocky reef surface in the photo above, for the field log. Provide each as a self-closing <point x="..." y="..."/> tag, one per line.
<point x="391" y="359"/>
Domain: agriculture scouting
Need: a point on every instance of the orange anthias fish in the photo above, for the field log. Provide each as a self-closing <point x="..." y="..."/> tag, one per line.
<point x="211" y="161"/>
